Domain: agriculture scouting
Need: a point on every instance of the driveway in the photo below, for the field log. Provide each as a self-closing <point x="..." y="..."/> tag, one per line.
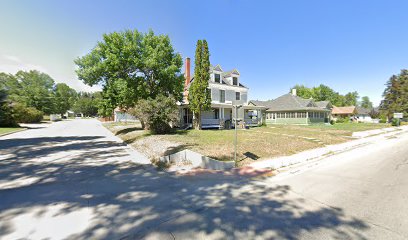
<point x="74" y="180"/>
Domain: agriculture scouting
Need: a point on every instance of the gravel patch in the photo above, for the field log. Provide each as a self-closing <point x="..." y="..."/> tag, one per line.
<point x="156" y="146"/>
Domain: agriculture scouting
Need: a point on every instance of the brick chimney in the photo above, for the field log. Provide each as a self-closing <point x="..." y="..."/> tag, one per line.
<point x="187" y="77"/>
<point x="294" y="91"/>
<point x="187" y="73"/>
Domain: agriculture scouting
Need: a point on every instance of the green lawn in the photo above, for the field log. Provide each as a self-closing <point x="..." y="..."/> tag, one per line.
<point x="9" y="130"/>
<point x="351" y="127"/>
<point x="253" y="144"/>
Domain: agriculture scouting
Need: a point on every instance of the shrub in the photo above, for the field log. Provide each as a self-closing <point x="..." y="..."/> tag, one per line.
<point x="383" y="120"/>
<point x="332" y="122"/>
<point x="156" y="114"/>
<point x="25" y="114"/>
<point x="342" y="120"/>
<point x="6" y="111"/>
<point x="395" y="122"/>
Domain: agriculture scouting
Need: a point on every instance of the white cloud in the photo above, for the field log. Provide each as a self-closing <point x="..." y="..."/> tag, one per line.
<point x="13" y="64"/>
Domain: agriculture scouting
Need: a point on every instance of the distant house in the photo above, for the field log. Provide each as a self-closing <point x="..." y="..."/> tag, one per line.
<point x="292" y="109"/>
<point x="227" y="90"/>
<point x="343" y="112"/>
<point x="363" y="114"/>
<point x="120" y="115"/>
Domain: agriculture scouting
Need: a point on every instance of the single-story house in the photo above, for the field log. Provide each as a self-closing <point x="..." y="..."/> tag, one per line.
<point x="292" y="109"/>
<point x="343" y="112"/>
<point x="363" y="114"/>
<point x="324" y="104"/>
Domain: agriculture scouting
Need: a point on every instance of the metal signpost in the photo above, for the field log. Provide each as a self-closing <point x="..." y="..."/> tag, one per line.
<point x="236" y="138"/>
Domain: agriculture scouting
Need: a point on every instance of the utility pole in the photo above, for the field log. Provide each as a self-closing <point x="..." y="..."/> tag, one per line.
<point x="236" y="135"/>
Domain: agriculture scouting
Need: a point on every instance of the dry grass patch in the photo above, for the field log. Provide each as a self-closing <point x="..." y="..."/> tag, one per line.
<point x="253" y="144"/>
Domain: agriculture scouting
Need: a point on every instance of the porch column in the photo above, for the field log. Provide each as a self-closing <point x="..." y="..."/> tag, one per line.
<point x="307" y="117"/>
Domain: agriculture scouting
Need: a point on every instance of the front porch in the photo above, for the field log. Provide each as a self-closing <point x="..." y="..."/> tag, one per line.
<point x="221" y="116"/>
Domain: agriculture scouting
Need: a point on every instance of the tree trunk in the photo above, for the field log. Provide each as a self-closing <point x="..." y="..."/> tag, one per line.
<point x="143" y="125"/>
<point x="197" y="121"/>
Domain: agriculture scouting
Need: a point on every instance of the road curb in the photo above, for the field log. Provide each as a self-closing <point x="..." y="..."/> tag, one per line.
<point x="20" y="130"/>
<point x="319" y="153"/>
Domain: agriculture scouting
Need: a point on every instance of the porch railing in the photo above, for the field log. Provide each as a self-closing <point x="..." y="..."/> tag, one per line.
<point x="207" y="121"/>
<point x="250" y="121"/>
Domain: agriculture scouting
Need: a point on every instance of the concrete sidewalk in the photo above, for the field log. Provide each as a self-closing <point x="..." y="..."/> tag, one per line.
<point x="319" y="153"/>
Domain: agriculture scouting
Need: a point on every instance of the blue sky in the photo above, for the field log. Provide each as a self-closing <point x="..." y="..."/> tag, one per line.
<point x="347" y="45"/>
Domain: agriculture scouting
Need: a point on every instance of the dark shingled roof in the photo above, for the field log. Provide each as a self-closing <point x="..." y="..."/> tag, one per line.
<point x="361" y="110"/>
<point x="323" y="104"/>
<point x="289" y="102"/>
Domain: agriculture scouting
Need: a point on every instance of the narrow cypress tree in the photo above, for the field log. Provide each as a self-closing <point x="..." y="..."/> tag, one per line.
<point x="199" y="97"/>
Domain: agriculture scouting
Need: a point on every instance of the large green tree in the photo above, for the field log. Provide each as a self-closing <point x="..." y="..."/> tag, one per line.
<point x="303" y="91"/>
<point x="350" y="99"/>
<point x="6" y="110"/>
<point x="396" y="95"/>
<point x="33" y="89"/>
<point x="87" y="103"/>
<point x="199" y="95"/>
<point x="131" y="65"/>
<point x="64" y="98"/>
<point x="325" y="93"/>
<point x="366" y="103"/>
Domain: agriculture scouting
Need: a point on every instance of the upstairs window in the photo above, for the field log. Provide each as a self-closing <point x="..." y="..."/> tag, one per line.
<point x="235" y="81"/>
<point x="237" y="96"/>
<point x="217" y="78"/>
<point x="222" y="96"/>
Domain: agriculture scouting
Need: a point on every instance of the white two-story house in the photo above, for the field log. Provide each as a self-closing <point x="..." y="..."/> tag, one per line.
<point x="227" y="90"/>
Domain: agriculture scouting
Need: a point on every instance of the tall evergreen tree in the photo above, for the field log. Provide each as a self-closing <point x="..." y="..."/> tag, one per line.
<point x="199" y="94"/>
<point x="396" y="95"/>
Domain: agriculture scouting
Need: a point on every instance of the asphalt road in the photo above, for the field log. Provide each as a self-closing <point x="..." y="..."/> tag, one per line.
<point x="74" y="180"/>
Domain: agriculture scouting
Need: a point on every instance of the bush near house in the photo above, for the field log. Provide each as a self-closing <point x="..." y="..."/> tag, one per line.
<point x="394" y="122"/>
<point x="342" y="120"/>
<point x="23" y="114"/>
<point x="156" y="114"/>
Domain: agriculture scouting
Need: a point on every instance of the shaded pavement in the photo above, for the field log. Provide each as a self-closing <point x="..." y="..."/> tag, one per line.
<point x="75" y="180"/>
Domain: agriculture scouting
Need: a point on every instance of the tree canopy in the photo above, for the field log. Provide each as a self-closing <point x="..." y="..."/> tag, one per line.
<point x="325" y="93"/>
<point x="64" y="98"/>
<point x="31" y="88"/>
<point x="130" y="66"/>
<point x="87" y="103"/>
<point x="199" y="95"/>
<point x="366" y="103"/>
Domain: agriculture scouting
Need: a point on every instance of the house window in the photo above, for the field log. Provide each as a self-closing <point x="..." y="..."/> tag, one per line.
<point x="235" y="81"/>
<point x="222" y="96"/>
<point x="216" y="113"/>
<point x="237" y="96"/>
<point x="217" y="78"/>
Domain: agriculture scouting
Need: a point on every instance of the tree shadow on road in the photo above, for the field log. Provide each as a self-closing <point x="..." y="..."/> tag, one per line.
<point x="124" y="200"/>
